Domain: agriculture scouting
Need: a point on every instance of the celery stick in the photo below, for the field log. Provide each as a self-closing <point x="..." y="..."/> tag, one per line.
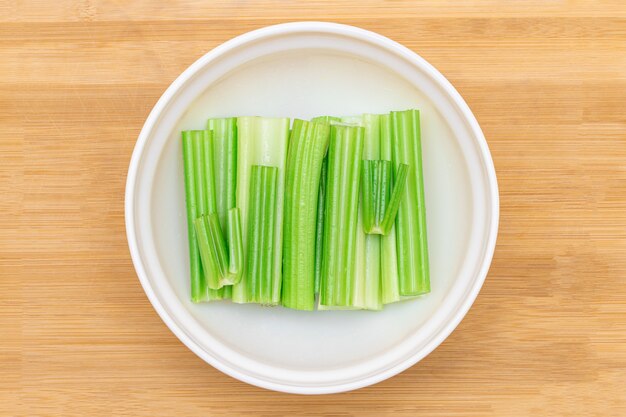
<point x="341" y="208"/>
<point x="308" y="144"/>
<point x="225" y="164"/>
<point x="205" y="189"/>
<point x="235" y="246"/>
<point x="319" y="227"/>
<point x="261" y="141"/>
<point x="411" y="241"/>
<point x="211" y="251"/>
<point x="389" y="258"/>
<point x="381" y="198"/>
<point x="198" y="284"/>
<point x="225" y="174"/>
<point x="197" y="200"/>
<point x="389" y="208"/>
<point x="367" y="286"/>
<point x="214" y="250"/>
<point x="260" y="275"/>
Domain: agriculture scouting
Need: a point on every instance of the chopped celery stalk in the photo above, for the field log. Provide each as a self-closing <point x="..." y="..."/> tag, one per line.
<point x="390" y="285"/>
<point x="380" y="199"/>
<point x="261" y="141"/>
<point x="259" y="274"/>
<point x="411" y="241"/>
<point x="319" y="226"/>
<point x="235" y="246"/>
<point x="393" y="203"/>
<point x="211" y="243"/>
<point x="224" y="164"/>
<point x="205" y="189"/>
<point x="213" y="249"/>
<point x="366" y="293"/>
<point x="308" y="144"/>
<point x="341" y="209"/>
<point x="198" y="197"/>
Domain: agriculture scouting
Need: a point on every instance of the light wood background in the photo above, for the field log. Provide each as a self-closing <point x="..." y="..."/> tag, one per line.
<point x="547" y="334"/>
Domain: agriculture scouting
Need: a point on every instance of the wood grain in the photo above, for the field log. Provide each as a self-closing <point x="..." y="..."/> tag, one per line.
<point x="547" y="82"/>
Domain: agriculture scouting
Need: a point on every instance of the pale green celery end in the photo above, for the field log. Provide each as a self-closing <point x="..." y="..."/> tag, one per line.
<point x="197" y="281"/>
<point x="260" y="141"/>
<point x="411" y="240"/>
<point x="371" y="126"/>
<point x="390" y="285"/>
<point x="366" y="293"/>
<point x="372" y="285"/>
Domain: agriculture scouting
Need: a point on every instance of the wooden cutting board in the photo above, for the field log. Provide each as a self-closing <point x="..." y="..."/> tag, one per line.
<point x="546" y="81"/>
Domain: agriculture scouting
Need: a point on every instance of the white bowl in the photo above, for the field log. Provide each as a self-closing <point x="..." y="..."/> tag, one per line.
<point x="304" y="70"/>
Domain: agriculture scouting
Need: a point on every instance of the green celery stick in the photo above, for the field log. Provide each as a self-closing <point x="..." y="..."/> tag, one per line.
<point x="225" y="173"/>
<point x="341" y="208"/>
<point x="259" y="273"/>
<point x="389" y="209"/>
<point x="235" y="246"/>
<point x="225" y="164"/>
<point x="261" y="141"/>
<point x="319" y="228"/>
<point x="389" y="258"/>
<point x="366" y="293"/>
<point x="197" y="198"/>
<point x="307" y="147"/>
<point x="411" y="241"/>
<point x="213" y="247"/>
<point x="381" y="198"/>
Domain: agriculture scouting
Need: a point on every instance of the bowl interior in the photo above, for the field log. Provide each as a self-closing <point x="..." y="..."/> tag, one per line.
<point x="298" y="348"/>
<point x="305" y="84"/>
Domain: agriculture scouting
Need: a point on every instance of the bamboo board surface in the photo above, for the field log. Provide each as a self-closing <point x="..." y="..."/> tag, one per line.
<point x="547" y="83"/>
